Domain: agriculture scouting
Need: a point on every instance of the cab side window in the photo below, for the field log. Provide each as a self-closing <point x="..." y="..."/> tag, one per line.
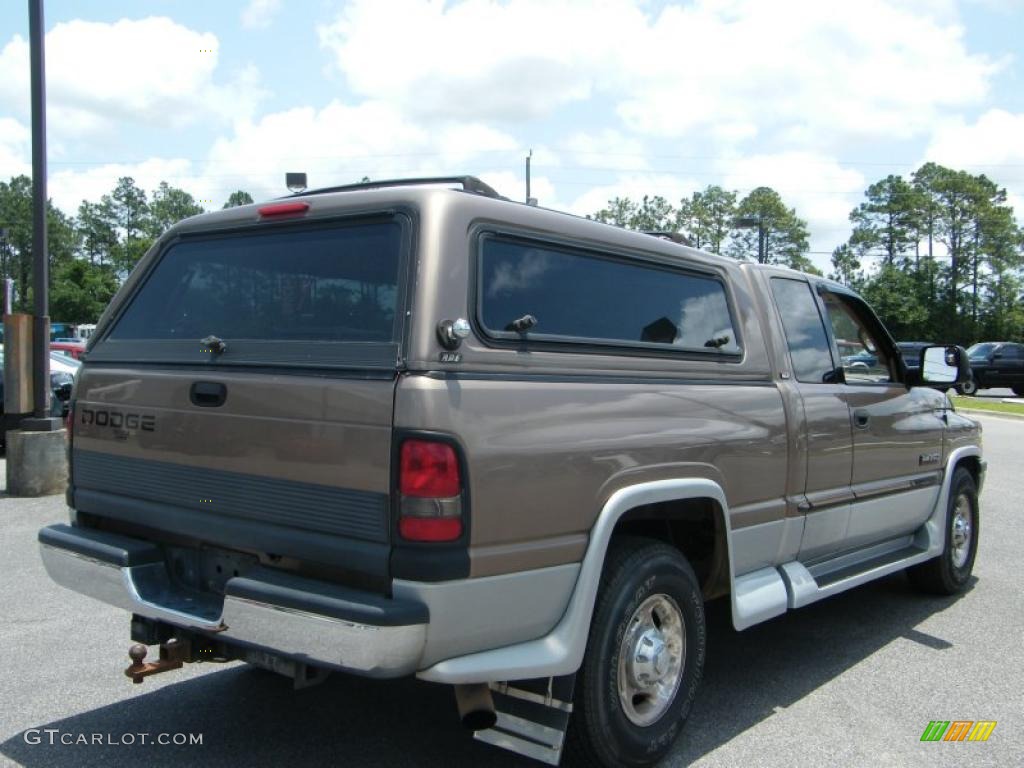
<point x="864" y="359"/>
<point x="805" y="333"/>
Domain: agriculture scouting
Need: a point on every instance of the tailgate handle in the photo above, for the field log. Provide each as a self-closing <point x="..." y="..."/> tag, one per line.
<point x="208" y="394"/>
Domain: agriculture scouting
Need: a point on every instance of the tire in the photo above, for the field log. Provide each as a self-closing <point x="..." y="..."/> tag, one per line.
<point x="1018" y="391"/>
<point x="949" y="573"/>
<point x="648" y="594"/>
<point x="969" y="387"/>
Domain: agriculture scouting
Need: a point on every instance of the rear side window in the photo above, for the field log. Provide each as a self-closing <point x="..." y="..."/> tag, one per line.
<point x="277" y="296"/>
<point x="590" y="298"/>
<point x="805" y="331"/>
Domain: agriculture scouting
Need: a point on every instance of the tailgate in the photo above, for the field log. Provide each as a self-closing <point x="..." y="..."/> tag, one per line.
<point x="288" y="466"/>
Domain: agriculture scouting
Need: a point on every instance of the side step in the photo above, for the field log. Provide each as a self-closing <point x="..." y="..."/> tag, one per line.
<point x="808" y="584"/>
<point x="533" y="716"/>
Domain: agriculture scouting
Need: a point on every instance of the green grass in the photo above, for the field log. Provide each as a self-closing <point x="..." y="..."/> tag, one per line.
<point x="986" y="404"/>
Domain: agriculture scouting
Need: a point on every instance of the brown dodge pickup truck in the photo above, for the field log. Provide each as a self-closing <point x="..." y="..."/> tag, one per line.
<point x="402" y="428"/>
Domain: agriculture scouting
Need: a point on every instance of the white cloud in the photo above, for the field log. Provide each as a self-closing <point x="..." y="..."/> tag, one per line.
<point x="732" y="69"/>
<point x="805" y="70"/>
<point x="512" y="61"/>
<point x="259" y="14"/>
<point x="342" y="143"/>
<point x="822" y="191"/>
<point x="69" y="187"/>
<point x="153" y="71"/>
<point x="15" y="149"/>
<point x="992" y="145"/>
<point x="634" y="186"/>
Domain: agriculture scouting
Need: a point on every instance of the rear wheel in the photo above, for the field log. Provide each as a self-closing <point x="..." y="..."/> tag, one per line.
<point x="645" y="654"/>
<point x="948" y="573"/>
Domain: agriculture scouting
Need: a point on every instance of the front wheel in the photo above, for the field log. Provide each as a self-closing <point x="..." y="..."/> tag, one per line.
<point x="948" y="573"/>
<point x="644" y="658"/>
<point x="969" y="387"/>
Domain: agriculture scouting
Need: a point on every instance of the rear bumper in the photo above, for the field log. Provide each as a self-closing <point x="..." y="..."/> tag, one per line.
<point x="304" y="619"/>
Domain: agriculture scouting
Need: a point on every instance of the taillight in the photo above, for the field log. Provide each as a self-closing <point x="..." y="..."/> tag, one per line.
<point x="430" y="488"/>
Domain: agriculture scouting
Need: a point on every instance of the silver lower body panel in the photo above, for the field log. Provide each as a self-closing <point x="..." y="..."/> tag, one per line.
<point x="365" y="649"/>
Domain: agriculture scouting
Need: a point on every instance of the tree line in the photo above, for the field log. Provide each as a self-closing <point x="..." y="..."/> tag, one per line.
<point x="90" y="254"/>
<point x="939" y="255"/>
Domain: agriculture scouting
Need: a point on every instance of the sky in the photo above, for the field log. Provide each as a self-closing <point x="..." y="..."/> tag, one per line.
<point x="817" y="98"/>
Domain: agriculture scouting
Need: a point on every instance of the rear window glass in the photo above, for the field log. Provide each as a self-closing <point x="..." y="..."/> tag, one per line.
<point x="337" y="284"/>
<point x="587" y="297"/>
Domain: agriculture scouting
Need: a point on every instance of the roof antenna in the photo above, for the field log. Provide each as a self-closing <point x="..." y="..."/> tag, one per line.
<point x="296" y="182"/>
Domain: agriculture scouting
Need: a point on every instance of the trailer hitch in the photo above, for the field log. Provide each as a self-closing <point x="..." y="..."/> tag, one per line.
<point x="173" y="655"/>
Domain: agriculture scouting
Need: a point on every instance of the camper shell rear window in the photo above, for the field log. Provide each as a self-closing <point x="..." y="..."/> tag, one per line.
<point x="320" y="296"/>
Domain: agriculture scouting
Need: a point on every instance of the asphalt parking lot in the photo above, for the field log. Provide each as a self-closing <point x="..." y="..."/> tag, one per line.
<point x="852" y="681"/>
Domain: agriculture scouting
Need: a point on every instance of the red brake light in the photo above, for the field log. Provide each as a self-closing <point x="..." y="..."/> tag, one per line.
<point x="430" y="528"/>
<point x="283" y="209"/>
<point x="429" y="470"/>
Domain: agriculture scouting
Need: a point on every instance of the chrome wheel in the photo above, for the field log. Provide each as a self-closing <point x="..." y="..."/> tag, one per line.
<point x="961" y="531"/>
<point x="651" y="659"/>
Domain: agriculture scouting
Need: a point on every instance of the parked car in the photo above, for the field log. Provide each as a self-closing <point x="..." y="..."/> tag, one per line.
<point x="995" y="364"/>
<point x="392" y="429"/>
<point x="71" y="348"/>
<point x="60" y="361"/>
<point x="62" y="376"/>
<point x="860" y="360"/>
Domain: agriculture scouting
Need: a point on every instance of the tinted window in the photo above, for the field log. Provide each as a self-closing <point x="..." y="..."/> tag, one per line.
<point x="336" y="284"/>
<point x="1011" y="352"/>
<point x="805" y="332"/>
<point x="582" y="296"/>
<point x="980" y="351"/>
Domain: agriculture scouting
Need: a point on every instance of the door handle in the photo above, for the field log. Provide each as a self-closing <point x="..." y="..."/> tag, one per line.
<point x="208" y="394"/>
<point x="861" y="419"/>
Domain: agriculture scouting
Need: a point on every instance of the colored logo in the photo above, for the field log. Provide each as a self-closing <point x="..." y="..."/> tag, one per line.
<point x="958" y="730"/>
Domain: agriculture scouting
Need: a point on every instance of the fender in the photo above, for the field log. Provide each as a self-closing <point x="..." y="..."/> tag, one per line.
<point x="560" y="652"/>
<point x="932" y="536"/>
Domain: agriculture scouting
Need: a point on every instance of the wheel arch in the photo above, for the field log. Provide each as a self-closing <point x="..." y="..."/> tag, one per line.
<point x="696" y="526"/>
<point x="560" y="652"/>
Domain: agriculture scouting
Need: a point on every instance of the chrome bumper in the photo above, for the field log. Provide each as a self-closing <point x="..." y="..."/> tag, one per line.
<point x="99" y="566"/>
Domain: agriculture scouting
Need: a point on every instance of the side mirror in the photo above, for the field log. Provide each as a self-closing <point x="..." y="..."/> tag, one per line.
<point x="944" y="365"/>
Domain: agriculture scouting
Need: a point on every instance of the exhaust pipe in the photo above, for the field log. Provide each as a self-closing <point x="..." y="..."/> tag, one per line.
<point x="476" y="707"/>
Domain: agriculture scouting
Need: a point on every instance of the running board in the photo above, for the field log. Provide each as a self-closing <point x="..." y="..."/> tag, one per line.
<point x="808" y="584"/>
<point x="533" y="716"/>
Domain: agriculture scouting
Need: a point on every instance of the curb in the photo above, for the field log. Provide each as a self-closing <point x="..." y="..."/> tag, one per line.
<point x="982" y="412"/>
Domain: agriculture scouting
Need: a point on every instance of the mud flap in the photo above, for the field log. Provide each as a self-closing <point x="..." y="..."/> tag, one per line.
<point x="533" y="716"/>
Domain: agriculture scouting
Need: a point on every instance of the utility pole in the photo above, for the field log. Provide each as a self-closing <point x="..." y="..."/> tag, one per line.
<point x="36" y="454"/>
<point x="528" y="158"/>
<point x="40" y="254"/>
<point x="749" y="222"/>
